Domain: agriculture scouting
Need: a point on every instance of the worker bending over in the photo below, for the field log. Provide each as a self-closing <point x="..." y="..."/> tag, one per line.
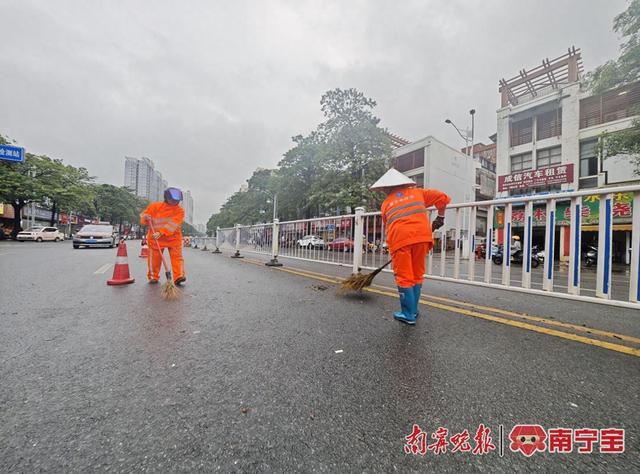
<point x="166" y="218"/>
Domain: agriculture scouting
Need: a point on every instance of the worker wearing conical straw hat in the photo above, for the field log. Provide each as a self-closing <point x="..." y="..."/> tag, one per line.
<point x="409" y="234"/>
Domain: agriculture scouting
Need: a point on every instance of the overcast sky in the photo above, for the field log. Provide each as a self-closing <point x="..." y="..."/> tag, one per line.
<point x="210" y="90"/>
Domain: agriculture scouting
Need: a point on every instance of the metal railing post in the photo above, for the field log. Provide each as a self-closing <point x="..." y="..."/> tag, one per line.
<point x="605" y="249"/>
<point x="430" y="254"/>
<point x="471" y="272"/>
<point x="487" y="246"/>
<point x="357" y="239"/>
<point x="456" y="253"/>
<point x="275" y="244"/>
<point x="443" y="251"/>
<point x="217" y="250"/>
<point x="634" y="280"/>
<point x="204" y="247"/>
<point x="575" y="236"/>
<point x="237" y="254"/>
<point x="526" y="245"/>
<point x="550" y="237"/>
<point x="506" y="245"/>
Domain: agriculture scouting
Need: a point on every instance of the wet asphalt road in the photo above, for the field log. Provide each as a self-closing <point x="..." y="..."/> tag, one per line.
<point x="242" y="373"/>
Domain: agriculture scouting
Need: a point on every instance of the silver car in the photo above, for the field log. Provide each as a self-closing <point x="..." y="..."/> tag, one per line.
<point x="95" y="235"/>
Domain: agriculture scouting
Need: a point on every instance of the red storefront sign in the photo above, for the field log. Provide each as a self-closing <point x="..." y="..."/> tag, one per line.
<point x="559" y="174"/>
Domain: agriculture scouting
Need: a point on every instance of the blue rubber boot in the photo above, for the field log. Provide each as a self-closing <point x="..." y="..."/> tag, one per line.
<point x="408" y="305"/>
<point x="417" y="289"/>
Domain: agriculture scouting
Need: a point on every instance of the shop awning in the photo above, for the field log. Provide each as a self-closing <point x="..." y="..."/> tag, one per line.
<point x="594" y="228"/>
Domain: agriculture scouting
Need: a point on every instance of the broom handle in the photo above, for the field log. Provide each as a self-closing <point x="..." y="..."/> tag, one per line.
<point x="378" y="270"/>
<point x="164" y="264"/>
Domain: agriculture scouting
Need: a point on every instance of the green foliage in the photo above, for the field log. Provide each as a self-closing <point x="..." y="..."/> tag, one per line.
<point x="625" y="142"/>
<point x="117" y="204"/>
<point x="59" y="187"/>
<point x="250" y="206"/>
<point x="324" y="172"/>
<point x="620" y="72"/>
<point x="188" y="229"/>
<point x="625" y="69"/>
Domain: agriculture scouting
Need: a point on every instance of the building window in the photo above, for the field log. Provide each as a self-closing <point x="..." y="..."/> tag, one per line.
<point x="419" y="179"/>
<point x="410" y="161"/>
<point x="521" y="162"/>
<point x="549" y="124"/>
<point x="521" y="131"/>
<point x="612" y="105"/>
<point x="589" y="163"/>
<point x="549" y="157"/>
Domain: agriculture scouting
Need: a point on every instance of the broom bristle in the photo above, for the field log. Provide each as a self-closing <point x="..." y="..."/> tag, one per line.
<point x="170" y="291"/>
<point x="357" y="282"/>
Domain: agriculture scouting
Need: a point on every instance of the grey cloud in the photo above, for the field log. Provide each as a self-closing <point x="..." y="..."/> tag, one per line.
<point x="212" y="90"/>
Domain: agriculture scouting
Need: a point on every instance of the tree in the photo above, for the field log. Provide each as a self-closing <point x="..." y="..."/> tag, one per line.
<point x="117" y="205"/>
<point x="188" y="229"/>
<point x="356" y="151"/>
<point x="620" y="72"/>
<point x="626" y="69"/>
<point x="325" y="172"/>
<point x="66" y="186"/>
<point x="246" y="207"/>
<point x="23" y="183"/>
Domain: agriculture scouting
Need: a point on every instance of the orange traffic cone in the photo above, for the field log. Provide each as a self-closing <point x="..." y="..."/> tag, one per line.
<point x="121" y="270"/>
<point x="144" y="250"/>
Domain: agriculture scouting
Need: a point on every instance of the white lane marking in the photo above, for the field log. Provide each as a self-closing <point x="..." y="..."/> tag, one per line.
<point x="339" y="351"/>
<point x="103" y="268"/>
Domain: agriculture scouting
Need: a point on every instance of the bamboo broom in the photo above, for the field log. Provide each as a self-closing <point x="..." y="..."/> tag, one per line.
<point x="360" y="281"/>
<point x="169" y="290"/>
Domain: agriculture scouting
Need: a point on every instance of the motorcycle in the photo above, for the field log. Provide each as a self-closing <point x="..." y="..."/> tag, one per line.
<point x="516" y="257"/>
<point x="591" y="256"/>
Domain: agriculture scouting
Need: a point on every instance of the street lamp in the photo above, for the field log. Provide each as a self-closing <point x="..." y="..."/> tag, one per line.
<point x="466" y="137"/>
<point x="469" y="150"/>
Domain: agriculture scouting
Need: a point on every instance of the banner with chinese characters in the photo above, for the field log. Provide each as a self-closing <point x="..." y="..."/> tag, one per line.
<point x="552" y="175"/>
<point x="622" y="212"/>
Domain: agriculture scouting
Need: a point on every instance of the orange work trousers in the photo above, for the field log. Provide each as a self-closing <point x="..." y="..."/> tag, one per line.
<point x="409" y="264"/>
<point x="155" y="262"/>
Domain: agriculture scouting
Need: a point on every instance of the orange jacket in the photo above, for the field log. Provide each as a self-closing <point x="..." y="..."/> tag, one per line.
<point x="167" y="220"/>
<point x="405" y="217"/>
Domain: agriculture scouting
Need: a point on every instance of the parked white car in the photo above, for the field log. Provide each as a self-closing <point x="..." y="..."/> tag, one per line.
<point x="40" y="234"/>
<point x="311" y="242"/>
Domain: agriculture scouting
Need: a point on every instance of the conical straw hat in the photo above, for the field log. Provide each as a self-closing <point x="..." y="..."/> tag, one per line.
<point x="392" y="178"/>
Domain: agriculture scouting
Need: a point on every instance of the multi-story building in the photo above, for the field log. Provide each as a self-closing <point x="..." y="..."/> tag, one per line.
<point x="550" y="129"/>
<point x="131" y="173"/>
<point x="431" y="163"/>
<point x="485" y="156"/>
<point x="141" y="177"/>
<point x="187" y="203"/>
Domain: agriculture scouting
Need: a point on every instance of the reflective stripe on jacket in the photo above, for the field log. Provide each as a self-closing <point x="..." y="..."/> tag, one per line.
<point x="404" y="213"/>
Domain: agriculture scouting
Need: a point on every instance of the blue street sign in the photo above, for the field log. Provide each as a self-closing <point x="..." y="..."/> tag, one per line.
<point x="11" y="153"/>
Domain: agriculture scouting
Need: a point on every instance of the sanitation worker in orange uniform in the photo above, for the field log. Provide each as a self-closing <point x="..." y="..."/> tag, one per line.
<point x="167" y="218"/>
<point x="409" y="234"/>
